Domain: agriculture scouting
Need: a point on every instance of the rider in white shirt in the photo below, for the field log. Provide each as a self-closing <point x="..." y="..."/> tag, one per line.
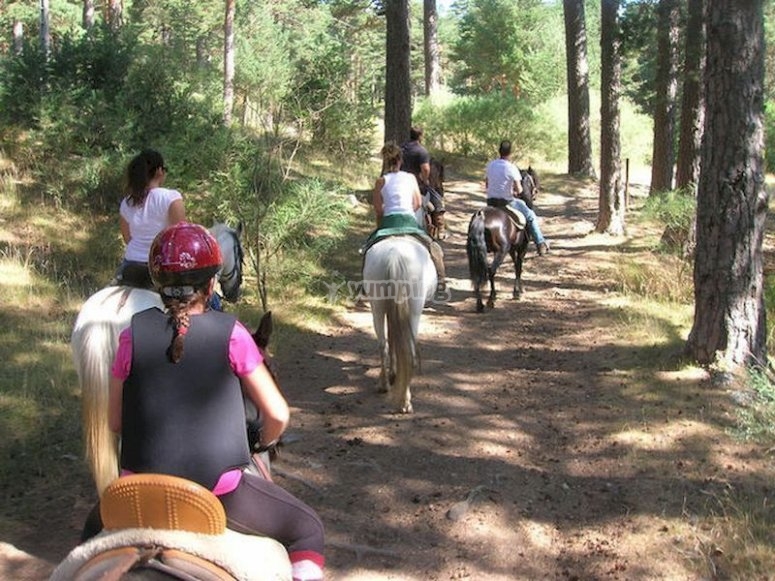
<point x="503" y="182"/>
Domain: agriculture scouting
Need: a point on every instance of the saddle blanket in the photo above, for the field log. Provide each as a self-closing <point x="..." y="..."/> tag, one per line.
<point x="246" y="557"/>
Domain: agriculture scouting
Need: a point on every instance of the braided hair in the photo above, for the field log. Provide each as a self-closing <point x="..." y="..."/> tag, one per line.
<point x="179" y="312"/>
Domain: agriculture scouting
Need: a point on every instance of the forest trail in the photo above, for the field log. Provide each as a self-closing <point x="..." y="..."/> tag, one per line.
<point x="537" y="450"/>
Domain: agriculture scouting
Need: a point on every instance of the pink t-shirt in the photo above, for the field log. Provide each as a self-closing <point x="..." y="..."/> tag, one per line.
<point x="244" y="358"/>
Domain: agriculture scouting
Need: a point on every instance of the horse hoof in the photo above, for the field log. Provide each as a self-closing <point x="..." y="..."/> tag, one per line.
<point x="480" y="308"/>
<point x="407" y="409"/>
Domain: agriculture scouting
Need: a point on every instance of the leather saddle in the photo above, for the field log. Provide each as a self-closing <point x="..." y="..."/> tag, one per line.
<point x="517" y="217"/>
<point x="174" y="528"/>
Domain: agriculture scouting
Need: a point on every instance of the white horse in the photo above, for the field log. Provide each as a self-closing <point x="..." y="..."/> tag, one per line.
<point x="94" y="341"/>
<point x="398" y="279"/>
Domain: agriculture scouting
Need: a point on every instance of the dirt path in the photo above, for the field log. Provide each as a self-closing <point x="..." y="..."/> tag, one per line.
<point x="536" y="412"/>
<point x="530" y="412"/>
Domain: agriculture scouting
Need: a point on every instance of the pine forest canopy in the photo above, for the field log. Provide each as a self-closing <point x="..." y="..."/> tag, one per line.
<point x="95" y="79"/>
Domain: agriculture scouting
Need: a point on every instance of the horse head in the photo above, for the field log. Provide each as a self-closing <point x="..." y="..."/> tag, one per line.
<point x="436" y="176"/>
<point x="230" y="275"/>
<point x="530" y="187"/>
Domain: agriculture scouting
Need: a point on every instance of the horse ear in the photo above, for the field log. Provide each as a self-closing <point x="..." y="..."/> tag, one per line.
<point x="264" y="331"/>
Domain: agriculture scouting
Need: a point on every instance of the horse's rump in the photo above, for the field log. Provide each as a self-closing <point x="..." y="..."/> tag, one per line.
<point x="398" y="279"/>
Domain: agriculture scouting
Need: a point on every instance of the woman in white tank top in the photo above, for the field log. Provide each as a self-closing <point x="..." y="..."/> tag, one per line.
<point x="395" y="192"/>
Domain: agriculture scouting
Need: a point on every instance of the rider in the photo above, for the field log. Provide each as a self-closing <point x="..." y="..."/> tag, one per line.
<point x="176" y="399"/>
<point x="397" y="198"/>
<point x="503" y="182"/>
<point x="146" y="209"/>
<point x="417" y="161"/>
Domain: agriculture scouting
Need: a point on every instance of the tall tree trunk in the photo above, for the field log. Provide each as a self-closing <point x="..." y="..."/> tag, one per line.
<point x="431" y="45"/>
<point x="228" y="61"/>
<point x="692" y="104"/>
<point x="611" y="202"/>
<point x="398" y="95"/>
<point x="18" y="37"/>
<point x="87" y="17"/>
<point x="115" y="17"/>
<point x="682" y="238"/>
<point x="729" y="317"/>
<point x="579" y="140"/>
<point x="663" y="153"/>
<point x="45" y="31"/>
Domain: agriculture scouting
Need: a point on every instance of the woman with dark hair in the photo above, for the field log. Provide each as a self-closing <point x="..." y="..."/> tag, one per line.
<point x="146" y="209"/>
<point x="396" y="199"/>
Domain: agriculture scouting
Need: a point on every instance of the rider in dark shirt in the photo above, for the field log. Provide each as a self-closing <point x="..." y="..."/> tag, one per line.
<point x="417" y="161"/>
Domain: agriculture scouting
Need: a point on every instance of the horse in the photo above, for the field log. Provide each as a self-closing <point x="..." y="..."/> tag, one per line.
<point x="94" y="341"/>
<point x="493" y="230"/>
<point x="398" y="279"/>
<point x="433" y="222"/>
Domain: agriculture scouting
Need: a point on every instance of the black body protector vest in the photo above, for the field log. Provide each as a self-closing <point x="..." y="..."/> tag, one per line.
<point x="187" y="418"/>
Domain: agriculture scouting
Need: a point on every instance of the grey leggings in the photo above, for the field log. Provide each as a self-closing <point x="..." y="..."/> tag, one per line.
<point x="259" y="506"/>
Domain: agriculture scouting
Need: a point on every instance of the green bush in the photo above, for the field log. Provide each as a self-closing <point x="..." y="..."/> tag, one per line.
<point x="474" y="125"/>
<point x="769" y="132"/>
<point x="674" y="209"/>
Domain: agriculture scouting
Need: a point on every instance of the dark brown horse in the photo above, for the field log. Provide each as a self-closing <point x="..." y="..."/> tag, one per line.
<point x="493" y="230"/>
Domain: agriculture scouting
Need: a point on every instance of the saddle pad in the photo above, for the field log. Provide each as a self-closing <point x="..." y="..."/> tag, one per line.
<point x="245" y="557"/>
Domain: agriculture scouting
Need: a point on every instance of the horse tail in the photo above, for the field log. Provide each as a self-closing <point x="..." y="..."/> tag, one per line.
<point x="476" y="248"/>
<point x="93" y="346"/>
<point x="401" y="337"/>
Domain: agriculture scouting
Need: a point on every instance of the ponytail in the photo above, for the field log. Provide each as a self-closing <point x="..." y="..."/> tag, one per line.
<point x="139" y="174"/>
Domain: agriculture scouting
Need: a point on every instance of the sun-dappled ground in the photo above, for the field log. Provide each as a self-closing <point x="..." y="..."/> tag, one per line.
<point x="553" y="437"/>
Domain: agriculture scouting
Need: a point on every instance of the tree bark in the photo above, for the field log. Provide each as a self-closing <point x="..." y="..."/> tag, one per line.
<point x="398" y="95"/>
<point x="729" y="319"/>
<point x="115" y="17"/>
<point x="663" y="153"/>
<point x="692" y="104"/>
<point x="431" y="46"/>
<point x="579" y="140"/>
<point x="45" y="31"/>
<point x="611" y="200"/>
<point x="87" y="18"/>
<point x="18" y="37"/>
<point x="228" y="61"/>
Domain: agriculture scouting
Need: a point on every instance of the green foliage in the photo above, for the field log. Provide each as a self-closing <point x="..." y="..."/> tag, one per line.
<point x="474" y="125"/>
<point x="769" y="136"/>
<point x="674" y="209"/>
<point x="510" y="46"/>
<point x="756" y="417"/>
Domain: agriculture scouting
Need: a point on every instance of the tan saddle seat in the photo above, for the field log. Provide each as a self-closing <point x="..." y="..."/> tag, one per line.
<point x="175" y="527"/>
<point x="160" y="501"/>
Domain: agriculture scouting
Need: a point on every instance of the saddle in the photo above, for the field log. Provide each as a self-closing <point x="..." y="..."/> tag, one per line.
<point x="175" y="527"/>
<point x="135" y="275"/>
<point x="517" y="217"/>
